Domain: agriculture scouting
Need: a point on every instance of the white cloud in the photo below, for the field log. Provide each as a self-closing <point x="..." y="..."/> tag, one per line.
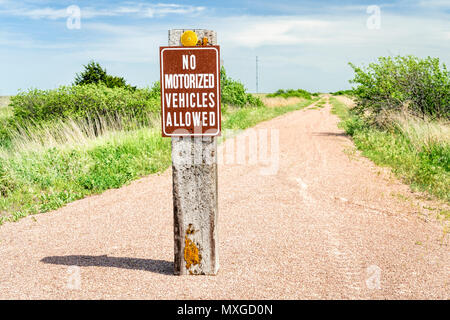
<point x="271" y="31"/>
<point x="435" y="3"/>
<point x="254" y="32"/>
<point x="309" y="51"/>
<point x="138" y="9"/>
<point x="45" y="13"/>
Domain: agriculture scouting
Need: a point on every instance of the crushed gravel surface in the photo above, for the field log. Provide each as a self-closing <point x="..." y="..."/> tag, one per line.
<point x="328" y="225"/>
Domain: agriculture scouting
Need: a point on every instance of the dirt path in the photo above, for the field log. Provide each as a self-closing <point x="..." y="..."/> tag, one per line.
<point x="329" y="224"/>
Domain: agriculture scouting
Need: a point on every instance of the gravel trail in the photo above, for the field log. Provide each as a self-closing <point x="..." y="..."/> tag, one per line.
<point x="329" y="224"/>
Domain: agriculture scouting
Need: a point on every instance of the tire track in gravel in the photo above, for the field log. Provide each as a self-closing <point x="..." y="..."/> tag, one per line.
<point x="344" y="270"/>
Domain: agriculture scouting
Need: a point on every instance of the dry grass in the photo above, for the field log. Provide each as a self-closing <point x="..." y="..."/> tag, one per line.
<point x="417" y="150"/>
<point x="4" y="101"/>
<point x="70" y="133"/>
<point x="260" y="95"/>
<point x="5" y="111"/>
<point x="421" y="132"/>
<point x="281" y="102"/>
<point x="346" y="100"/>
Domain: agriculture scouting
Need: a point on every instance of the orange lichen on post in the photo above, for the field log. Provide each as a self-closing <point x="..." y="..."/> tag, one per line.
<point x="190" y="229"/>
<point x="191" y="253"/>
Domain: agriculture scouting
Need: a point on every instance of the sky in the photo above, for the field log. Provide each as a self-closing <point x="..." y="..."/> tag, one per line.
<point x="300" y="44"/>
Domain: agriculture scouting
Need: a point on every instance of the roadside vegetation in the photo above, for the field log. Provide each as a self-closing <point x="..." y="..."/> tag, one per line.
<point x="287" y="97"/>
<point x="402" y="119"/>
<point x="343" y="93"/>
<point x="4" y="101"/>
<point x="57" y="146"/>
<point x="5" y="112"/>
<point x="299" y="93"/>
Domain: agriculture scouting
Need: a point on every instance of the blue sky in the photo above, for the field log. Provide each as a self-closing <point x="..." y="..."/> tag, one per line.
<point x="300" y="44"/>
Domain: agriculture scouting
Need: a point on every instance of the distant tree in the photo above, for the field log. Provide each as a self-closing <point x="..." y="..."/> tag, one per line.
<point x="94" y="73"/>
<point x="234" y="93"/>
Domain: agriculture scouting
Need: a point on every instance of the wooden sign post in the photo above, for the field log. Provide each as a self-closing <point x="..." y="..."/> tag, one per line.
<point x="193" y="107"/>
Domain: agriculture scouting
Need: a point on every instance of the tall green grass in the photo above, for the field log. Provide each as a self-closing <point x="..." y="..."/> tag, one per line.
<point x="45" y="179"/>
<point x="47" y="166"/>
<point x="417" y="150"/>
<point x="5" y="113"/>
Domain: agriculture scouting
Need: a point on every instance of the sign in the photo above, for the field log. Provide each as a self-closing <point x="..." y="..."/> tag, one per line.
<point x="190" y="91"/>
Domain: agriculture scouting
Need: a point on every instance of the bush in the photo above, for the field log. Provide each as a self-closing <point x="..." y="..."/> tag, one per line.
<point x="234" y="93"/>
<point x="418" y="86"/>
<point x="343" y="92"/>
<point x="83" y="102"/>
<point x="94" y="99"/>
<point x="94" y="73"/>
<point x="299" y="93"/>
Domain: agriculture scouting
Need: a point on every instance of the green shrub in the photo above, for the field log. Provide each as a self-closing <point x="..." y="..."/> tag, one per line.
<point x="94" y="73"/>
<point x="299" y="93"/>
<point x="234" y="93"/>
<point x="83" y="102"/>
<point x="343" y="92"/>
<point x="418" y="86"/>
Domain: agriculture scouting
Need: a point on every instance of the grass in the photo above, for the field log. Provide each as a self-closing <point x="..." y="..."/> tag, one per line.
<point x="339" y="109"/>
<point x="279" y="101"/>
<point x="45" y="168"/>
<point x="319" y="104"/>
<point x="5" y="111"/>
<point x="4" y="101"/>
<point x="44" y="180"/>
<point x="418" y="151"/>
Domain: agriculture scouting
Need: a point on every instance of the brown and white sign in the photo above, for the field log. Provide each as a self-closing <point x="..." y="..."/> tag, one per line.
<point x="190" y="91"/>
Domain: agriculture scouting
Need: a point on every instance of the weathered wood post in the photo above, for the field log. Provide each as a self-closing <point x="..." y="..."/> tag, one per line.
<point x="195" y="193"/>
